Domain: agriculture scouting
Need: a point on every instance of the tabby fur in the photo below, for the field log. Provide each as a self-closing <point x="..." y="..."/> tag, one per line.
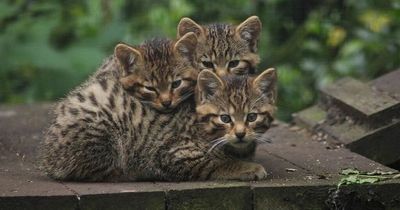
<point x="223" y="48"/>
<point x="111" y="128"/>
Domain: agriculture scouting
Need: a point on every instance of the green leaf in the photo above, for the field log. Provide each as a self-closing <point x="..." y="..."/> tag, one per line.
<point x="368" y="180"/>
<point x="378" y="172"/>
<point x="349" y="171"/>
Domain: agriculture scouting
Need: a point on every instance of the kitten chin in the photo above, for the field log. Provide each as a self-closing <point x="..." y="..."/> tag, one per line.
<point x="244" y="151"/>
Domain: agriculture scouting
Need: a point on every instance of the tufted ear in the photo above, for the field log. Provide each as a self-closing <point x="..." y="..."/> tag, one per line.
<point x="249" y="30"/>
<point x="127" y="56"/>
<point x="265" y="84"/>
<point x="186" y="46"/>
<point x="187" y="25"/>
<point x="208" y="83"/>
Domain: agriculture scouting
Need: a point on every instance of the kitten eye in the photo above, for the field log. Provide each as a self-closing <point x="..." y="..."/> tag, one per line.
<point x="225" y="118"/>
<point x="149" y="88"/>
<point x="176" y="84"/>
<point x="251" y="117"/>
<point x="233" y="64"/>
<point x="208" y="64"/>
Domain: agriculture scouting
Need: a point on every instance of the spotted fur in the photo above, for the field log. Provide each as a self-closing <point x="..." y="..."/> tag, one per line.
<point x="224" y="48"/>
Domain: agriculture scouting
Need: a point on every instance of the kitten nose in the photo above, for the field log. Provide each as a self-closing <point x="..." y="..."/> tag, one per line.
<point x="240" y="130"/>
<point x="240" y="135"/>
<point x="221" y="72"/>
<point x="166" y="103"/>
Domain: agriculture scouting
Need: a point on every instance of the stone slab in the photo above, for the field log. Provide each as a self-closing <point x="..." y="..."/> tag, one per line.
<point x="23" y="187"/>
<point x="315" y="196"/>
<point x="293" y="159"/>
<point x="381" y="145"/>
<point x="122" y="201"/>
<point x="38" y="203"/>
<point x="22" y="127"/>
<point x="345" y="132"/>
<point x="232" y="197"/>
<point x="298" y="148"/>
<point x="123" y="195"/>
<point x="279" y="169"/>
<point x="309" y="118"/>
<point x="389" y="83"/>
<point x="303" y="197"/>
<point x="367" y="197"/>
<point x="361" y="101"/>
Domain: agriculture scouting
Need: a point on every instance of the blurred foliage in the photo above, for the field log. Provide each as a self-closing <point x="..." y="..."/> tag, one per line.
<point x="48" y="47"/>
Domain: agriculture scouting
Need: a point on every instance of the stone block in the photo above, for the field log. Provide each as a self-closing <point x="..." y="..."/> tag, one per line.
<point x="295" y="197"/>
<point x="309" y="118"/>
<point x="361" y="102"/>
<point x="217" y="196"/>
<point x="129" y="195"/>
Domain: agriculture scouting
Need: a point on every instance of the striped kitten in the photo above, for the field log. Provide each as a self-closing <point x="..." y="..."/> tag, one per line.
<point x="137" y="96"/>
<point x="238" y="109"/>
<point x="233" y="112"/>
<point x="224" y="48"/>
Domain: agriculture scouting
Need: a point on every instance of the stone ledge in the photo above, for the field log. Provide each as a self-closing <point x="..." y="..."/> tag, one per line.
<point x="388" y="83"/>
<point x="39" y="203"/>
<point x="297" y="164"/>
<point x="256" y="195"/>
<point x="360" y="101"/>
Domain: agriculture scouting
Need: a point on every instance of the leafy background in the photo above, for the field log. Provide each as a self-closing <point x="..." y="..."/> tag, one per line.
<point x="48" y="47"/>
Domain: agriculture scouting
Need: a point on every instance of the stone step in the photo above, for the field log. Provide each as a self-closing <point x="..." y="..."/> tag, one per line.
<point x="360" y="101"/>
<point x="381" y="144"/>
<point x="299" y="148"/>
<point x="389" y="83"/>
<point x="310" y="117"/>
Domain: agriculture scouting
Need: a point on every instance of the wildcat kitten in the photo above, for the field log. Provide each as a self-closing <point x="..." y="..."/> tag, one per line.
<point x="225" y="48"/>
<point x="233" y="112"/>
<point x="238" y="108"/>
<point x="100" y="124"/>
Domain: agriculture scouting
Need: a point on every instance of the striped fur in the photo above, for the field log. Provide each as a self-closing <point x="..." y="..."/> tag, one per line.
<point x="223" y="48"/>
<point x="239" y="109"/>
<point x="106" y="129"/>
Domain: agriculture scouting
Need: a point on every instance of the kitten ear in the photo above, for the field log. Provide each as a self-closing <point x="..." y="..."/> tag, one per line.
<point x="187" y="25"/>
<point x="127" y="56"/>
<point x="186" y="46"/>
<point x="265" y="84"/>
<point x="208" y="83"/>
<point x="249" y="30"/>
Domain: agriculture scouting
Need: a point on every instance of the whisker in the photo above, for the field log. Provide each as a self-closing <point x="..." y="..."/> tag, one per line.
<point x="263" y="139"/>
<point x="217" y="139"/>
<point x="223" y="141"/>
<point x="185" y="96"/>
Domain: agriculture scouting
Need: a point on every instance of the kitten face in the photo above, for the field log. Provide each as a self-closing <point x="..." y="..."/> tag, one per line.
<point x="159" y="72"/>
<point x="225" y="49"/>
<point x="238" y="109"/>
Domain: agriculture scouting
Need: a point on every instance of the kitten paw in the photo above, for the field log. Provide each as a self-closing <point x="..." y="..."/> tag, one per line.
<point x="254" y="171"/>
